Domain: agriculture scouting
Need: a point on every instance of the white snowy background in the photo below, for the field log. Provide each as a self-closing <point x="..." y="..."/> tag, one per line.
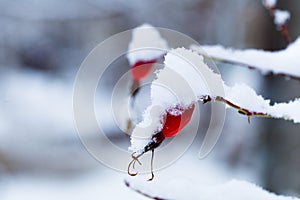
<point x="42" y="44"/>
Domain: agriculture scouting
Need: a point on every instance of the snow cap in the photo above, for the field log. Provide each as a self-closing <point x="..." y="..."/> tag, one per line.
<point x="269" y="3"/>
<point x="146" y="44"/>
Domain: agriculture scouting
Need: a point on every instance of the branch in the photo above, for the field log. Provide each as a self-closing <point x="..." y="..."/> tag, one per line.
<point x="142" y="193"/>
<point x="284" y="62"/>
<point x="243" y="111"/>
<point x="183" y="83"/>
<point x="231" y="62"/>
<point x="245" y="100"/>
<point x="233" y="189"/>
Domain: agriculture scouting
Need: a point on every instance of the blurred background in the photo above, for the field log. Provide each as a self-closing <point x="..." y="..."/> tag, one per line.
<point x="42" y="44"/>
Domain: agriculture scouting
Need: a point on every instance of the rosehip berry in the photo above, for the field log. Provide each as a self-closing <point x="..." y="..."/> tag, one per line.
<point x="141" y="69"/>
<point x="176" y="119"/>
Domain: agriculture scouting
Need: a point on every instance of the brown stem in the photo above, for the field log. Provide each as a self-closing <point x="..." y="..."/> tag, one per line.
<point x="282" y="28"/>
<point x="285" y="33"/>
<point x="134" y="88"/>
<point x="243" y="111"/>
<point x="152" y="174"/>
<point x="128" y="127"/>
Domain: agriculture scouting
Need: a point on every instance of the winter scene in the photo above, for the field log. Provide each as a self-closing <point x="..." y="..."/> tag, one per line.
<point x="165" y="100"/>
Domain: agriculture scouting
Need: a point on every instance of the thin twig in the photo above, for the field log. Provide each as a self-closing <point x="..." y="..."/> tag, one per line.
<point x="282" y="27"/>
<point x="243" y="111"/>
<point x="134" y="89"/>
<point x="142" y="193"/>
<point x="285" y="33"/>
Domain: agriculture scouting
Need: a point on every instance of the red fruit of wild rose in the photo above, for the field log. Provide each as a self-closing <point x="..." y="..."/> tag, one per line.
<point x="176" y="119"/>
<point x="141" y="69"/>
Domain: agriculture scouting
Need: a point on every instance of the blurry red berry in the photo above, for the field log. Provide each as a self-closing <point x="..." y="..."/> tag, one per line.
<point x="141" y="69"/>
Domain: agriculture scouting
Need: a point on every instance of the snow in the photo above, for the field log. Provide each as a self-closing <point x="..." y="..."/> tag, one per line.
<point x="205" y="179"/>
<point x="281" y="17"/>
<point x="245" y="97"/>
<point x="183" y="80"/>
<point x="191" y="67"/>
<point x="289" y="111"/>
<point x="284" y="61"/>
<point x="105" y="183"/>
<point x="201" y="179"/>
<point x="143" y="131"/>
<point x="187" y="172"/>
<point x="236" y="189"/>
<point x="269" y="3"/>
<point x="32" y="96"/>
<point x="146" y="44"/>
<point x="36" y="124"/>
<point x="230" y="190"/>
<point x="94" y="186"/>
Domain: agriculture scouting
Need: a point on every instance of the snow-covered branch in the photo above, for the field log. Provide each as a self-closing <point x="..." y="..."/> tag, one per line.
<point x="186" y="79"/>
<point x="245" y="100"/>
<point x="283" y="62"/>
<point x="233" y="189"/>
<point x="127" y="183"/>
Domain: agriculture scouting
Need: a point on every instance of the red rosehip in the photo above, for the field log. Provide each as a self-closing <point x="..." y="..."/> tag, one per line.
<point x="176" y="119"/>
<point x="141" y="69"/>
